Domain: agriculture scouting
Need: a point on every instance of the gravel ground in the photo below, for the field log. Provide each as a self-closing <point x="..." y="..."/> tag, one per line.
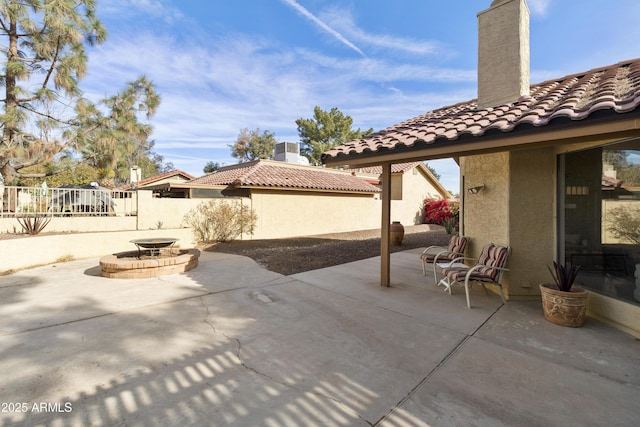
<point x="295" y="255"/>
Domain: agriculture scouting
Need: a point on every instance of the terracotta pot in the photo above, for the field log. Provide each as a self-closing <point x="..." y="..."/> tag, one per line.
<point x="396" y="233"/>
<point x="564" y="308"/>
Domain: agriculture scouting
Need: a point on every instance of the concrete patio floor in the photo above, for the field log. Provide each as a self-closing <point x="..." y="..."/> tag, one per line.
<point x="230" y="343"/>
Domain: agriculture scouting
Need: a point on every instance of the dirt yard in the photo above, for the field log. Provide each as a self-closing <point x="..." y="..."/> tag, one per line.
<point x="295" y="255"/>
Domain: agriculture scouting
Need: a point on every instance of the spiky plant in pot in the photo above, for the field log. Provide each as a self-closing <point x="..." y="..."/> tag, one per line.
<point x="563" y="303"/>
<point x="564" y="275"/>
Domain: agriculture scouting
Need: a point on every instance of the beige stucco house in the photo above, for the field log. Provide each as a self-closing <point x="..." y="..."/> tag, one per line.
<point x="411" y="184"/>
<point x="295" y="200"/>
<point x="537" y="155"/>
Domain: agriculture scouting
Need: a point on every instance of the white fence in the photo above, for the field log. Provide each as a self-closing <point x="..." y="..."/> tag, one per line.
<point x="91" y="209"/>
<point x="65" y="201"/>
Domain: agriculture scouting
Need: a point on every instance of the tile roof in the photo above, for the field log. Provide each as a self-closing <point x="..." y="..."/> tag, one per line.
<point x="395" y="168"/>
<point x="280" y="175"/>
<point x="576" y="97"/>
<point x="159" y="177"/>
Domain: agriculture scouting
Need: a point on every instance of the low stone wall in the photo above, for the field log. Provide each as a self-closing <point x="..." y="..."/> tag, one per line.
<point x="128" y="266"/>
<point x="31" y="251"/>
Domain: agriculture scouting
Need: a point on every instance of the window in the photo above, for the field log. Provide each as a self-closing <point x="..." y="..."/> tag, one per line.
<point x="600" y="218"/>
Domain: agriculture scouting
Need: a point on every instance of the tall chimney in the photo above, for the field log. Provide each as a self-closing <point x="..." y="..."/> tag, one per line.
<point x="503" y="53"/>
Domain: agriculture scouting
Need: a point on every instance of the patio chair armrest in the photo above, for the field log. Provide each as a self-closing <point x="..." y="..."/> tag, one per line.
<point x="439" y="254"/>
<point x="433" y="247"/>
<point x="456" y="255"/>
<point x="493" y="268"/>
<point x="477" y="266"/>
<point x="462" y="258"/>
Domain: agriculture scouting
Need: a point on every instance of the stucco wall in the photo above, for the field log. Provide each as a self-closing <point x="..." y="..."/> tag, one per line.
<point x="415" y="188"/>
<point x="486" y="214"/>
<point x="293" y="213"/>
<point x="76" y="224"/>
<point x="280" y="213"/>
<point x="169" y="212"/>
<point x="46" y="249"/>
<point x="288" y="213"/>
<point x="532" y="222"/>
<point x="515" y="208"/>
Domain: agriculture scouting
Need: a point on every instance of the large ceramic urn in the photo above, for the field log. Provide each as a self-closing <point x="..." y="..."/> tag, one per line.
<point x="396" y="233"/>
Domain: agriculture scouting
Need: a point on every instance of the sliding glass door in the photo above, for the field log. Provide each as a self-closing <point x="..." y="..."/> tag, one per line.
<point x="599" y="218"/>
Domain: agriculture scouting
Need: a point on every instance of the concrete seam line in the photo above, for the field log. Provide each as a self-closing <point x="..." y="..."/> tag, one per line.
<point x="487" y="319"/>
<point x="435" y="369"/>
<point x="422" y="381"/>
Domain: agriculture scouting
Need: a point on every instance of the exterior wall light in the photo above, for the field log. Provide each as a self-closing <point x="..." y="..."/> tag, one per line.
<point x="476" y="190"/>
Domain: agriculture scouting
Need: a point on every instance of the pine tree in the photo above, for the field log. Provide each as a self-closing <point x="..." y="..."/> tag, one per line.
<point x="44" y="45"/>
<point x="324" y="131"/>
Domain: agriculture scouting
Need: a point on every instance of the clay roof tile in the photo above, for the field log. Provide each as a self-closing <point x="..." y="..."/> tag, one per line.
<point x="271" y="174"/>
<point x="576" y="97"/>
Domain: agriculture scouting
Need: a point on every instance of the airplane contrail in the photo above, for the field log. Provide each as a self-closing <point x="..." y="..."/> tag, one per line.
<point x="297" y="6"/>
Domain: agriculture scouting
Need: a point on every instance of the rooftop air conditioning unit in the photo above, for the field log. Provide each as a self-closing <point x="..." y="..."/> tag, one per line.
<point x="289" y="152"/>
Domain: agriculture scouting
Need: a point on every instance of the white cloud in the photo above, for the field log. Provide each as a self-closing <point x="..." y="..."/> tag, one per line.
<point x="539" y="7"/>
<point x="304" y="12"/>
<point x="239" y="79"/>
<point x="212" y="86"/>
<point x="148" y="8"/>
<point x="343" y="21"/>
<point x="383" y="70"/>
<point x="634" y="157"/>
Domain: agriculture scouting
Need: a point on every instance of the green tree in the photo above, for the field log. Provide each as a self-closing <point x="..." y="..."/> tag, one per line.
<point x="63" y="172"/>
<point x="433" y="171"/>
<point x="116" y="140"/>
<point x="43" y="42"/>
<point x="211" y="167"/>
<point x="324" y="131"/>
<point x="252" y="145"/>
<point x="143" y="156"/>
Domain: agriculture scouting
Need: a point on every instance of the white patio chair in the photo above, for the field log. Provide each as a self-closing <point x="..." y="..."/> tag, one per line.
<point x="435" y="254"/>
<point x="489" y="268"/>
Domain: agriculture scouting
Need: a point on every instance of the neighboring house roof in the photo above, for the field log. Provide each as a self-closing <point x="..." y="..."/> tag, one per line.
<point x="608" y="181"/>
<point x="175" y="175"/>
<point x="280" y="175"/>
<point x="401" y="168"/>
<point x="577" y="97"/>
<point x="395" y="168"/>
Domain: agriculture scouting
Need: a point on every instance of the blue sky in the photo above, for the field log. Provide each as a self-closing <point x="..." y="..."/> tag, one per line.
<point x="221" y="65"/>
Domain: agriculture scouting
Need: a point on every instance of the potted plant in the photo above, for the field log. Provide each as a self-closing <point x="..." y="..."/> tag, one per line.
<point x="564" y="303"/>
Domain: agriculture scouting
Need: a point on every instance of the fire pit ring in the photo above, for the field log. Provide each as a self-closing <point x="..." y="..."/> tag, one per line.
<point x="154" y="244"/>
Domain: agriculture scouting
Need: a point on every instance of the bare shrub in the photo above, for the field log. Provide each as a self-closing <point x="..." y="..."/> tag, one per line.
<point x="33" y="223"/>
<point x="220" y="221"/>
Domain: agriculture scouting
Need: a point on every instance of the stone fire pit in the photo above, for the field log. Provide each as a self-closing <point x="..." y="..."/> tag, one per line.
<point x="154" y="257"/>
